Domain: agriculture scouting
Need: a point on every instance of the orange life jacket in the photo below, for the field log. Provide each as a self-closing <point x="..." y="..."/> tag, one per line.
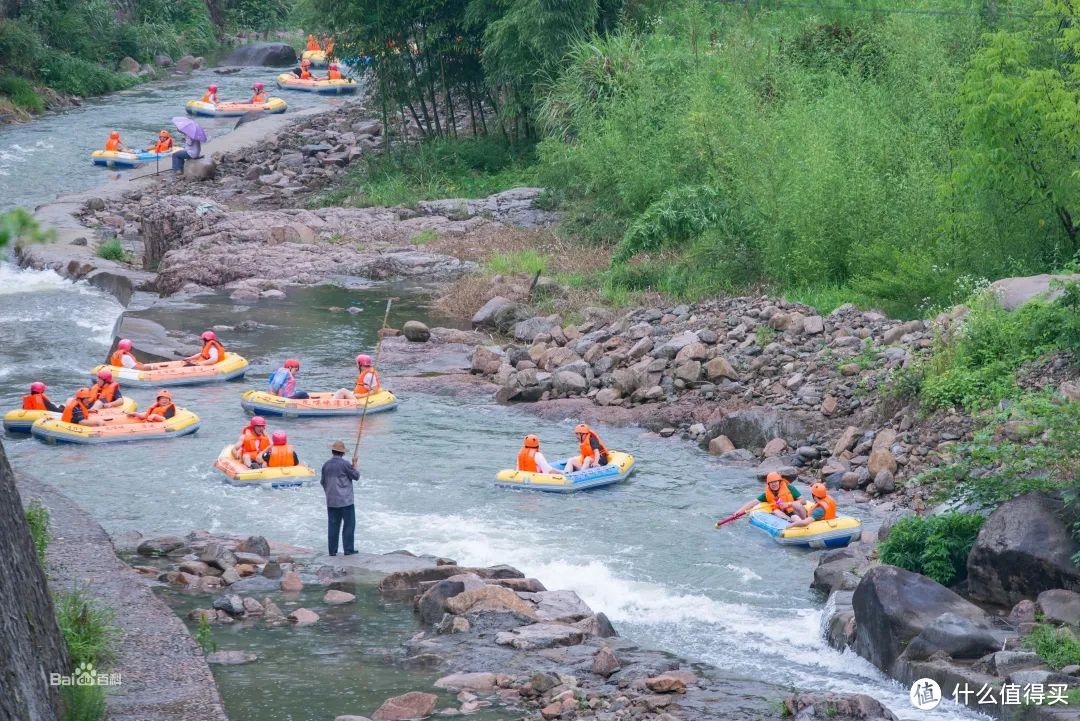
<point x="586" y="449"/>
<point x="69" y="410"/>
<point x="312" y="43"/>
<point x="305" y="74"/>
<point x="205" y="354"/>
<point x="163" y="146"/>
<point x="117" y="358"/>
<point x="784" y="495"/>
<point x="371" y="386"/>
<point x="332" y="74"/>
<point x="158" y="410"/>
<point x="254" y="444"/>
<point x="210" y="98"/>
<point x="527" y="460"/>
<point x="35" y="402"/>
<point x="281" y="457"/>
<point x="105" y="392"/>
<point x="258" y="98"/>
<point x="113" y="145"/>
<point x="827" y="504"/>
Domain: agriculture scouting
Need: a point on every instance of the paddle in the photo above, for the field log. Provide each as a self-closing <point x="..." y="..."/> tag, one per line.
<point x="367" y="396"/>
<point x="729" y="519"/>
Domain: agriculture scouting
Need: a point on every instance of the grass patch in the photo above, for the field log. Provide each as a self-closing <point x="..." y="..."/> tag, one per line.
<point x="88" y="628"/>
<point x="522" y="261"/>
<point x="1058" y="647"/>
<point x="83" y="703"/>
<point x="424" y="237"/>
<point x="935" y="546"/>
<point x="21" y="93"/>
<point x="37" y="517"/>
<point x="435" y="169"/>
<point x="826" y="298"/>
<point x="112" y="249"/>
<point x="764" y="335"/>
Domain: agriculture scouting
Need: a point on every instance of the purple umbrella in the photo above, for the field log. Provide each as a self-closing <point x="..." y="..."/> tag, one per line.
<point x="190" y="128"/>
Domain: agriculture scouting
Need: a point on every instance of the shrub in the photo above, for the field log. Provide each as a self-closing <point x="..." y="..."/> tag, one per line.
<point x="111" y="250"/>
<point x="88" y="628"/>
<point x="83" y="703"/>
<point x="22" y="93"/>
<point x="37" y="517"/>
<point x="1059" y="647"/>
<point x="525" y="261"/>
<point x="935" y="546"/>
<point x="76" y="76"/>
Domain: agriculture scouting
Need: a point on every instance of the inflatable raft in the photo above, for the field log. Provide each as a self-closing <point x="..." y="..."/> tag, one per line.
<point x="619" y="467"/>
<point x="274" y="478"/>
<point x="117" y="159"/>
<point x="234" y="110"/>
<point x="20" y="421"/>
<point x="288" y="81"/>
<point x="178" y="373"/>
<point x="116" y="429"/>
<point x="317" y="58"/>
<point x="320" y="404"/>
<point x="836" y="533"/>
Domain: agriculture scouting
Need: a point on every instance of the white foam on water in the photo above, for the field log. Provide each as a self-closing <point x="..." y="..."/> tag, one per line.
<point x="746" y="575"/>
<point x="13" y="280"/>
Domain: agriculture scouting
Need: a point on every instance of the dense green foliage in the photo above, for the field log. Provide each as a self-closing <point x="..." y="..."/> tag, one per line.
<point x="37" y="517"/>
<point x="18" y="226"/>
<point x="1059" y="647"/>
<point x="88" y="628"/>
<point x="935" y="546"/>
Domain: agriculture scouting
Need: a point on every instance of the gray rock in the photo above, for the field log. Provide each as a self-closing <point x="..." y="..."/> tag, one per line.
<point x="605" y="662"/>
<point x="527" y="330"/>
<point x="257" y="545"/>
<point x="560" y="606"/>
<point x="200" y="169"/>
<point x="498" y="314"/>
<point x="415" y="331"/>
<point x="958" y="636"/>
<point x="160" y="546"/>
<point x="1002" y="663"/>
<point x="265" y="54"/>
<point x="1060" y="606"/>
<point x="432" y="604"/>
<point x="569" y="383"/>
<point x="1012" y="293"/>
<point x="218" y="556"/>
<point x="230" y="603"/>
<point x="231" y="658"/>
<point x="540" y="635"/>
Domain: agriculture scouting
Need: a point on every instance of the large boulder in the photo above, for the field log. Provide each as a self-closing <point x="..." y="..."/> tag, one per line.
<point x="1024" y="548"/>
<point x="489" y="599"/>
<point x="265" y="54"/>
<point x="893" y="606"/>
<point x="1060" y="606"/>
<point x="412" y="705"/>
<point x="958" y="636"/>
<point x="527" y="330"/>
<point x="1012" y="293"/>
<point x="836" y="707"/>
<point x="416" y="332"/>
<point x="499" y="314"/>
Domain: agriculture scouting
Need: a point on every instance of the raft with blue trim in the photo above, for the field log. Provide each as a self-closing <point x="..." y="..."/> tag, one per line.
<point x="118" y="159"/>
<point x="620" y="465"/>
<point x="234" y="110"/>
<point x="264" y="403"/>
<point x="237" y="474"/>
<point x="288" y="81"/>
<point x="20" y="421"/>
<point x="836" y="533"/>
<point x="178" y="373"/>
<point x="116" y="429"/>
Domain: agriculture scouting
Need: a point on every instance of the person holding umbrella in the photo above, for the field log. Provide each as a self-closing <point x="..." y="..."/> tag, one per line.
<point x="194" y="137"/>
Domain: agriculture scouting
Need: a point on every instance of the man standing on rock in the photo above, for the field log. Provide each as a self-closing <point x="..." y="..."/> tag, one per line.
<point x="337" y="482"/>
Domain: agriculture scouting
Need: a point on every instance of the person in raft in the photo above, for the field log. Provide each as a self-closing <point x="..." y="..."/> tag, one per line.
<point x="283" y="382"/>
<point x="36" y="400"/>
<point x="367" y="379"/>
<point x="253" y="443"/>
<point x="211" y="95"/>
<point x="781" y="498"/>
<point x="334" y="72"/>
<point x="113" y="143"/>
<point x="123" y="358"/>
<point x="105" y="393"/>
<point x="303" y="71"/>
<point x="531" y="459"/>
<point x="823" y="508"/>
<point x="312" y="43"/>
<point x="163" y="144"/>
<point x="77" y="410"/>
<point x="162" y="409"/>
<point x="280" y="454"/>
<point x="212" y="351"/>
<point x="591" y="450"/>
<point x="259" y="96"/>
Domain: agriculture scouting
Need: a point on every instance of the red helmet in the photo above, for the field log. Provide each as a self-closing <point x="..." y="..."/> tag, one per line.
<point x="258" y="421"/>
<point x="124" y="344"/>
<point x="209" y="335"/>
<point x="532" y="441"/>
<point x="114" y="135"/>
<point x="37" y="387"/>
<point x="212" y="88"/>
<point x="278" y="438"/>
<point x="105" y="376"/>
<point x="364" y="360"/>
<point x="292" y="363"/>
<point x="258" y="86"/>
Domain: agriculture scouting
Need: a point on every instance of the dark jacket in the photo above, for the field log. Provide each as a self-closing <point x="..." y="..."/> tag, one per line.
<point x="337" y="482"/>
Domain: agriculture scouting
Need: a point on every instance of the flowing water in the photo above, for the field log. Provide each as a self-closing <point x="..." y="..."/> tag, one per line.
<point x="644" y="552"/>
<point x="51" y="155"/>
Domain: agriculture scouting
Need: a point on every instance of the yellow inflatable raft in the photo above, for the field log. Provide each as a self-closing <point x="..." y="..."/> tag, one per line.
<point x="234" y="110"/>
<point x="317" y="58"/>
<point x="263" y="403"/>
<point x="178" y="373"/>
<point x="836" y="533"/>
<point x="240" y="475"/>
<point x="620" y="465"/>
<point x="116" y="429"/>
<point x="20" y="421"/>
<point x="289" y="81"/>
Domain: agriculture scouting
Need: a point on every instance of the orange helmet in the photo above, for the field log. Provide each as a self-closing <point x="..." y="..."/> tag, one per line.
<point x="82" y="393"/>
<point x="163" y="393"/>
<point x="582" y="428"/>
<point x="165" y="134"/>
<point x="532" y="441"/>
<point x="114" y="135"/>
<point x="774" y="476"/>
<point x="818" y="490"/>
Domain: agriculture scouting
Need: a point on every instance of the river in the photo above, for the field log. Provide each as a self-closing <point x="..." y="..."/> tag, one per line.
<point x="645" y="552"/>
